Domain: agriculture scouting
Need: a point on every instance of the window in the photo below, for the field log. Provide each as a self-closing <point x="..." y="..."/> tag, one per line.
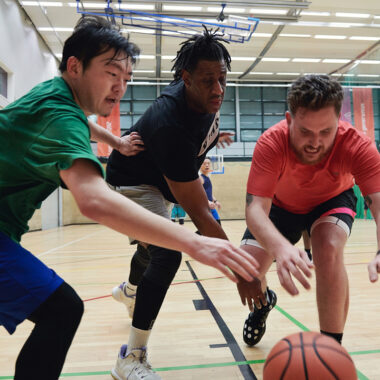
<point x="135" y="102"/>
<point x="260" y="108"/>
<point x="3" y="83"/>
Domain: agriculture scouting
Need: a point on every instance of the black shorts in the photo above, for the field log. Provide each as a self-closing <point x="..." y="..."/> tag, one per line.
<point x="342" y="207"/>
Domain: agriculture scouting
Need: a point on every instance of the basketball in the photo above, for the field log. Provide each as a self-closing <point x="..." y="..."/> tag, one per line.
<point x="308" y="355"/>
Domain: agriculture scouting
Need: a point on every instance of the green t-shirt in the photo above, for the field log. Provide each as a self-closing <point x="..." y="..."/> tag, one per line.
<point x="40" y="134"/>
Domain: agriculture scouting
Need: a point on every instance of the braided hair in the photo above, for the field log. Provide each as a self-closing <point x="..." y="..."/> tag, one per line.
<point x="206" y="46"/>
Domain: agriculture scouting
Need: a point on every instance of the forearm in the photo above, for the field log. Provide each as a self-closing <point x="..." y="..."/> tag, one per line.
<point x="207" y="225"/>
<point x="100" y="134"/>
<point x="264" y="230"/>
<point x="119" y="213"/>
<point x="373" y="201"/>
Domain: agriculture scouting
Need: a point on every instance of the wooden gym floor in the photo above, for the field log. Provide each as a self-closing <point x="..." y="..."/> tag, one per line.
<point x="198" y="333"/>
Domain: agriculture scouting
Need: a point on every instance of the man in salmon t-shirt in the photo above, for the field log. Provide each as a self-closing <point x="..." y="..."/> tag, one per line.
<point x="301" y="177"/>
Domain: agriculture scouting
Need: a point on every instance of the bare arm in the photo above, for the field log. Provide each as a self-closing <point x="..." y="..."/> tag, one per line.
<point x="128" y="145"/>
<point x="98" y="202"/>
<point x="289" y="259"/>
<point x="373" y="201"/>
<point x="193" y="199"/>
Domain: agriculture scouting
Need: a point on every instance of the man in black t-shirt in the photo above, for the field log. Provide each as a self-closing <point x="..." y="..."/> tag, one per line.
<point x="178" y="129"/>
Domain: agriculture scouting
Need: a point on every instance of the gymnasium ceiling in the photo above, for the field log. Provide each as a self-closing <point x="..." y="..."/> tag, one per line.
<point x="293" y="37"/>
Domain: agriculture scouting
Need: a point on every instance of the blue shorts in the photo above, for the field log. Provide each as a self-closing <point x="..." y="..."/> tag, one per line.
<point x="25" y="283"/>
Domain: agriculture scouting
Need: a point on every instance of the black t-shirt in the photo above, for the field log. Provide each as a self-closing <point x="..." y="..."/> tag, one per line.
<point x="176" y="139"/>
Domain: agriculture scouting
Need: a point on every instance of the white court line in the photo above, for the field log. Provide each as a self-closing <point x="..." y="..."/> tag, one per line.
<point x="65" y="245"/>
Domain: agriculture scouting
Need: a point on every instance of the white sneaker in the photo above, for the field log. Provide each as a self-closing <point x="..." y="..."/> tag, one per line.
<point x="119" y="294"/>
<point x="133" y="366"/>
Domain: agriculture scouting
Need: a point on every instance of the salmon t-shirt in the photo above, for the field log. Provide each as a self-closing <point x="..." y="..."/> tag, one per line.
<point x="277" y="173"/>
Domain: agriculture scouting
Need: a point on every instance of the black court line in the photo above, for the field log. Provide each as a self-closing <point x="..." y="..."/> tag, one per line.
<point x="206" y="304"/>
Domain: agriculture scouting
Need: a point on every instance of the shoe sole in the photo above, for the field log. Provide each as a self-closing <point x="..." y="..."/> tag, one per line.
<point x="115" y="375"/>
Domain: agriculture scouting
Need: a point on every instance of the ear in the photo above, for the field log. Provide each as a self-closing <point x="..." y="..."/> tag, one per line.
<point x="186" y="77"/>
<point x="74" y="67"/>
<point x="288" y="117"/>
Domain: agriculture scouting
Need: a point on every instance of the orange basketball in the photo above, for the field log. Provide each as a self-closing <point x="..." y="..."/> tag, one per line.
<point x="308" y="356"/>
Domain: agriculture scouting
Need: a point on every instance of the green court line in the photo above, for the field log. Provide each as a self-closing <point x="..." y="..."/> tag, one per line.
<point x="287" y="315"/>
<point x="361" y="376"/>
<point x="190" y="367"/>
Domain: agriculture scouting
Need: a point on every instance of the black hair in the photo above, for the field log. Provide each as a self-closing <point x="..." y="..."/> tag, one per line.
<point x="315" y="92"/>
<point x="93" y="36"/>
<point x="206" y="46"/>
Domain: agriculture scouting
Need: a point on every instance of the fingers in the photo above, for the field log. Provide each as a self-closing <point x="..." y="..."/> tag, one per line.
<point x="306" y="260"/>
<point x="250" y="304"/>
<point x="286" y="281"/>
<point x="227" y="273"/>
<point x="373" y="270"/>
<point x="298" y="275"/>
<point x="242" y="268"/>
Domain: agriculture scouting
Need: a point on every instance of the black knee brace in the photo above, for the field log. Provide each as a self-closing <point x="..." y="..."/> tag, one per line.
<point x="154" y="285"/>
<point x="139" y="263"/>
<point x="163" y="265"/>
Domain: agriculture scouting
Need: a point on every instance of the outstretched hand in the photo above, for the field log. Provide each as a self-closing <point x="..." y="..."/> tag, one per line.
<point x="225" y="138"/>
<point x="374" y="268"/>
<point x="250" y="293"/>
<point x="227" y="258"/>
<point x="131" y="144"/>
<point x="292" y="261"/>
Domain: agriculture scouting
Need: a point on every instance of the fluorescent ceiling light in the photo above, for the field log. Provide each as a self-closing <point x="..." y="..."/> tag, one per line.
<point x="56" y="29"/>
<point x="368" y="75"/>
<point x="329" y="37"/>
<point x="243" y="58"/>
<point x="336" y="75"/>
<point x="364" y="38"/>
<point x="276" y="59"/>
<point x="308" y="13"/>
<point x="140" y="7"/>
<point x="329" y="24"/>
<point x="268" y="11"/>
<point x="226" y="10"/>
<point x="262" y="35"/>
<point x="348" y="75"/>
<point x="168" y="57"/>
<point x="144" y="56"/>
<point x="89" y="5"/>
<point x="139" y="30"/>
<point x="183" y="8"/>
<point x="42" y="3"/>
<point x="288" y="74"/>
<point x="260" y="73"/>
<point x="314" y="60"/>
<point x="143" y="71"/>
<point x="295" y="35"/>
<point x="369" y="62"/>
<point x="167" y="71"/>
<point x="354" y="15"/>
<point x="333" y="60"/>
<point x="235" y="72"/>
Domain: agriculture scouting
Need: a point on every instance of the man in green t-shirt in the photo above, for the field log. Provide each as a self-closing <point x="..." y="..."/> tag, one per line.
<point x="45" y="139"/>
